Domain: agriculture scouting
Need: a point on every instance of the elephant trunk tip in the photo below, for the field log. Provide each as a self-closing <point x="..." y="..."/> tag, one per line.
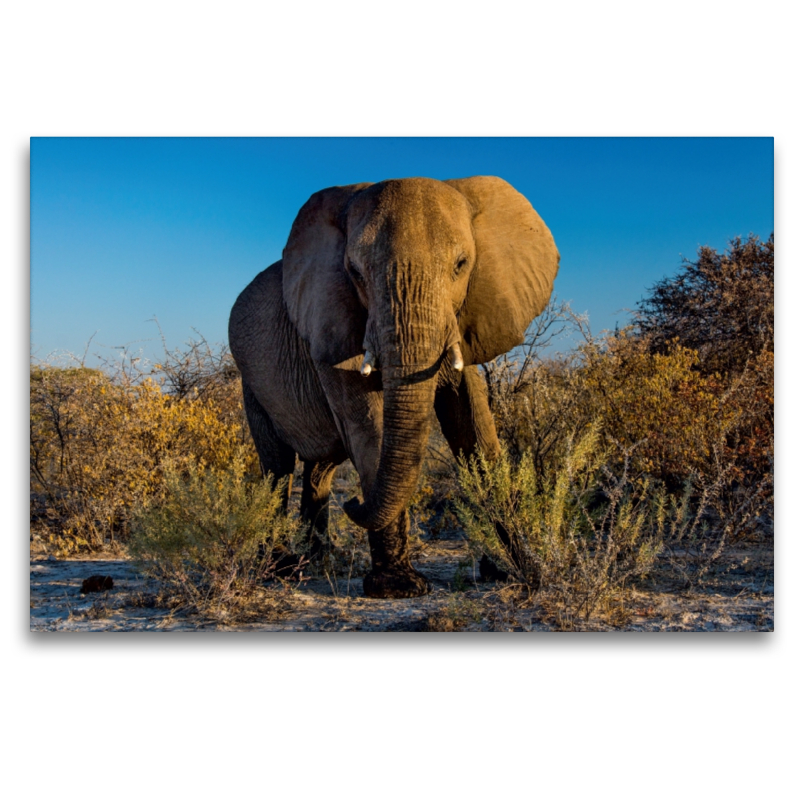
<point x="363" y="517"/>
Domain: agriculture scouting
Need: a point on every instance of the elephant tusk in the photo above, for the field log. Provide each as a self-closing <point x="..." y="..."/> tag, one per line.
<point x="455" y="357"/>
<point x="369" y="363"/>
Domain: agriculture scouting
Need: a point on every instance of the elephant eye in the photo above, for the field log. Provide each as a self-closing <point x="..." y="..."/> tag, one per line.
<point x="460" y="264"/>
<point x="355" y="274"/>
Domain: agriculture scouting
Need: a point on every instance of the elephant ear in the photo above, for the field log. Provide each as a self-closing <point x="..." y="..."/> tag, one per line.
<point x="320" y="299"/>
<point x="516" y="265"/>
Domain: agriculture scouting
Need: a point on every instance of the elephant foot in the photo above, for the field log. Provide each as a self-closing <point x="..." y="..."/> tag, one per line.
<point x="396" y="584"/>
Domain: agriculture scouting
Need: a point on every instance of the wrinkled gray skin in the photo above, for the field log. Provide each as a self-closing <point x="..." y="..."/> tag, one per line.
<point x="402" y="269"/>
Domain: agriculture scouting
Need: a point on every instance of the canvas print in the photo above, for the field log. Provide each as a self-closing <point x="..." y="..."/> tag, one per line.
<point x="402" y="384"/>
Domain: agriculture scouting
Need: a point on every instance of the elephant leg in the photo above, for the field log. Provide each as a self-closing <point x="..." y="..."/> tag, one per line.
<point x="392" y="574"/>
<point x="277" y="461"/>
<point x="462" y="407"/>
<point x="276" y="457"/>
<point x="315" y="501"/>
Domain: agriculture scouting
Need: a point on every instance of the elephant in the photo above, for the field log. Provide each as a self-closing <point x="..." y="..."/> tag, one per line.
<point x="387" y="298"/>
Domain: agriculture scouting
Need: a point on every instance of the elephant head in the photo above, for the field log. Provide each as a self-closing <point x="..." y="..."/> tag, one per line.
<point x="403" y="274"/>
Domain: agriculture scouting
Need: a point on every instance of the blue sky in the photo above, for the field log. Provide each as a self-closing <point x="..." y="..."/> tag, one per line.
<point x="125" y="229"/>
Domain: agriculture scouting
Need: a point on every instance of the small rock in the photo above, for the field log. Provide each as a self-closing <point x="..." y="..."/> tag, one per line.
<point x="97" y="583"/>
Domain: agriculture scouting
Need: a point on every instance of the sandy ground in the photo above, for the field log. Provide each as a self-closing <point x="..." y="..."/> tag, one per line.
<point x="737" y="598"/>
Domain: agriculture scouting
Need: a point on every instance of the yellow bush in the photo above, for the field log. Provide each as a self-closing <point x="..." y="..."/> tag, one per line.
<point x="660" y="404"/>
<point x="674" y="420"/>
<point x="98" y="447"/>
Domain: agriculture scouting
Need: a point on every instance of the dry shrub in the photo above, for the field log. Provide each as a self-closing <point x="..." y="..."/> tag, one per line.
<point x="683" y="420"/>
<point x="721" y="305"/>
<point x="538" y="401"/>
<point x="214" y="536"/>
<point x="99" y="439"/>
<point x="576" y="530"/>
<point x="680" y="421"/>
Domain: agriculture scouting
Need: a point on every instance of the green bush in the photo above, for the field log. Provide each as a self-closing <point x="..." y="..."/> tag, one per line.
<point x="216" y="534"/>
<point x="576" y="530"/>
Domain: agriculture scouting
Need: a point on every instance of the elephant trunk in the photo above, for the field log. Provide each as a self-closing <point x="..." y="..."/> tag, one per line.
<point x="411" y="355"/>
<point x="407" y="421"/>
